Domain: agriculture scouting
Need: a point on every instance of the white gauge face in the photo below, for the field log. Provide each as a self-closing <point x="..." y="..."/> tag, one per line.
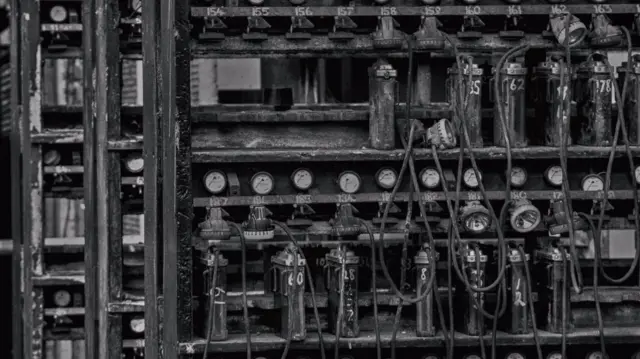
<point x="477" y="222"/>
<point x="636" y="174"/>
<point x="215" y="181"/>
<point x="515" y="356"/>
<point x="430" y="178"/>
<point x="62" y="298"/>
<point x="554" y="356"/>
<point x="135" y="164"/>
<point x="470" y="179"/>
<point x="595" y="355"/>
<point x="517" y="179"/>
<point x="302" y="179"/>
<point x="262" y="183"/>
<point x="430" y="357"/>
<point x="51" y="158"/>
<point x="386" y="178"/>
<point x="58" y="13"/>
<point x="554" y="177"/>
<point x="349" y="182"/>
<point x="592" y="183"/>
<point x="472" y="356"/>
<point x="137" y="325"/>
<point x="256" y="2"/>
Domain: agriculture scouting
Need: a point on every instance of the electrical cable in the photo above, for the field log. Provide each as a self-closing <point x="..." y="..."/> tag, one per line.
<point x="480" y="321"/>
<point x="294" y="284"/>
<point x="620" y="126"/>
<point x="374" y="288"/>
<point x="534" y="324"/>
<point x="596" y="259"/>
<point x="314" y="303"/>
<point x="212" y="290"/>
<point x="243" y="274"/>
<point x="563" y="334"/>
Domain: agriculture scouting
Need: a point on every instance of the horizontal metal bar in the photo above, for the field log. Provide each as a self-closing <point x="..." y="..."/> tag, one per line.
<point x="127" y="306"/>
<point x="406" y="339"/>
<point x="344" y="155"/>
<point x="59" y="312"/>
<point x="59" y="278"/>
<point x="76" y="53"/>
<point x="479" y="10"/>
<point x="400" y="197"/>
<point x="69" y="243"/>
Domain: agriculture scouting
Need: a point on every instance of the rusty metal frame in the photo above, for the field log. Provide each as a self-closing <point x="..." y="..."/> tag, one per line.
<point x="177" y="210"/>
<point x="152" y="151"/>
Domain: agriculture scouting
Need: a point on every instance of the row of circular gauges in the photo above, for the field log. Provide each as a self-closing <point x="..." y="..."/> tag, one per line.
<point x="302" y="179"/>
<point x="134" y="163"/>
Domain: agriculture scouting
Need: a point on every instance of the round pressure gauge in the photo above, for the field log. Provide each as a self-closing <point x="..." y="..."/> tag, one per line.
<point x="554" y="355"/>
<point x="515" y="355"/>
<point x="51" y="158"/>
<point x="256" y="2"/>
<point x="62" y="298"/>
<point x="430" y="178"/>
<point x="134" y="163"/>
<point x="553" y="175"/>
<point x="262" y="183"/>
<point x="636" y="174"/>
<point x="430" y="356"/>
<point x="215" y="181"/>
<point x="58" y="13"/>
<point x="470" y="179"/>
<point x="518" y="176"/>
<point x="472" y="356"/>
<point x="349" y="182"/>
<point x="302" y="179"/>
<point x="595" y="355"/>
<point x="137" y="325"/>
<point x="386" y="178"/>
<point x="592" y="183"/>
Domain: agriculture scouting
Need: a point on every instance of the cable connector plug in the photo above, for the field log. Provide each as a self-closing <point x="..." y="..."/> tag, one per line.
<point x="258" y="227"/>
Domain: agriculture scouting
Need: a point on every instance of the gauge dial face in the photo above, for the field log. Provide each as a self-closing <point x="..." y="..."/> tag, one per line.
<point x="595" y="355"/>
<point x="472" y="356"/>
<point x="134" y="164"/>
<point x="470" y="179"/>
<point x="137" y="325"/>
<point x="302" y="179"/>
<point x="592" y="183"/>
<point x="215" y="181"/>
<point x="477" y="222"/>
<point x="386" y="178"/>
<point x="553" y="175"/>
<point x="430" y="178"/>
<point x="62" y="298"/>
<point x="515" y="356"/>
<point x="51" y="158"/>
<point x="349" y="182"/>
<point x="517" y="179"/>
<point x="636" y="174"/>
<point x="430" y="357"/>
<point x="58" y="13"/>
<point x="262" y="183"/>
<point x="554" y="356"/>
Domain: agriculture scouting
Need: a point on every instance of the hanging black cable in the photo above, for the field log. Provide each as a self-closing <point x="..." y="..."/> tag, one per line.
<point x="212" y="291"/>
<point x="374" y="288"/>
<point x="534" y="322"/>
<point x="243" y="274"/>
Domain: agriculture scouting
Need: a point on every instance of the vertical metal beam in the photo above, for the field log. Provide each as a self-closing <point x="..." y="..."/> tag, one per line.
<point x="152" y="152"/>
<point x="108" y="178"/>
<point x="16" y="181"/>
<point x="176" y="170"/>
<point x="31" y="191"/>
<point x="90" y="238"/>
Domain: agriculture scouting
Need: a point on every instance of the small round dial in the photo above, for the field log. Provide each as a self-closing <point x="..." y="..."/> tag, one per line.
<point x="256" y="2"/>
<point x="134" y="163"/>
<point x="518" y="177"/>
<point x="262" y="183"/>
<point x="595" y="355"/>
<point x="470" y="179"/>
<point x="386" y="178"/>
<point x="515" y="355"/>
<point x="636" y="174"/>
<point x="51" y="158"/>
<point x="554" y="355"/>
<point x="592" y="183"/>
<point x="553" y="175"/>
<point x="215" y="181"/>
<point x="302" y="179"/>
<point x="476" y="222"/>
<point x="349" y="182"/>
<point x="472" y="356"/>
<point x="430" y="178"/>
<point x="58" y="13"/>
<point x="62" y="298"/>
<point x="137" y="325"/>
<point x="430" y="356"/>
